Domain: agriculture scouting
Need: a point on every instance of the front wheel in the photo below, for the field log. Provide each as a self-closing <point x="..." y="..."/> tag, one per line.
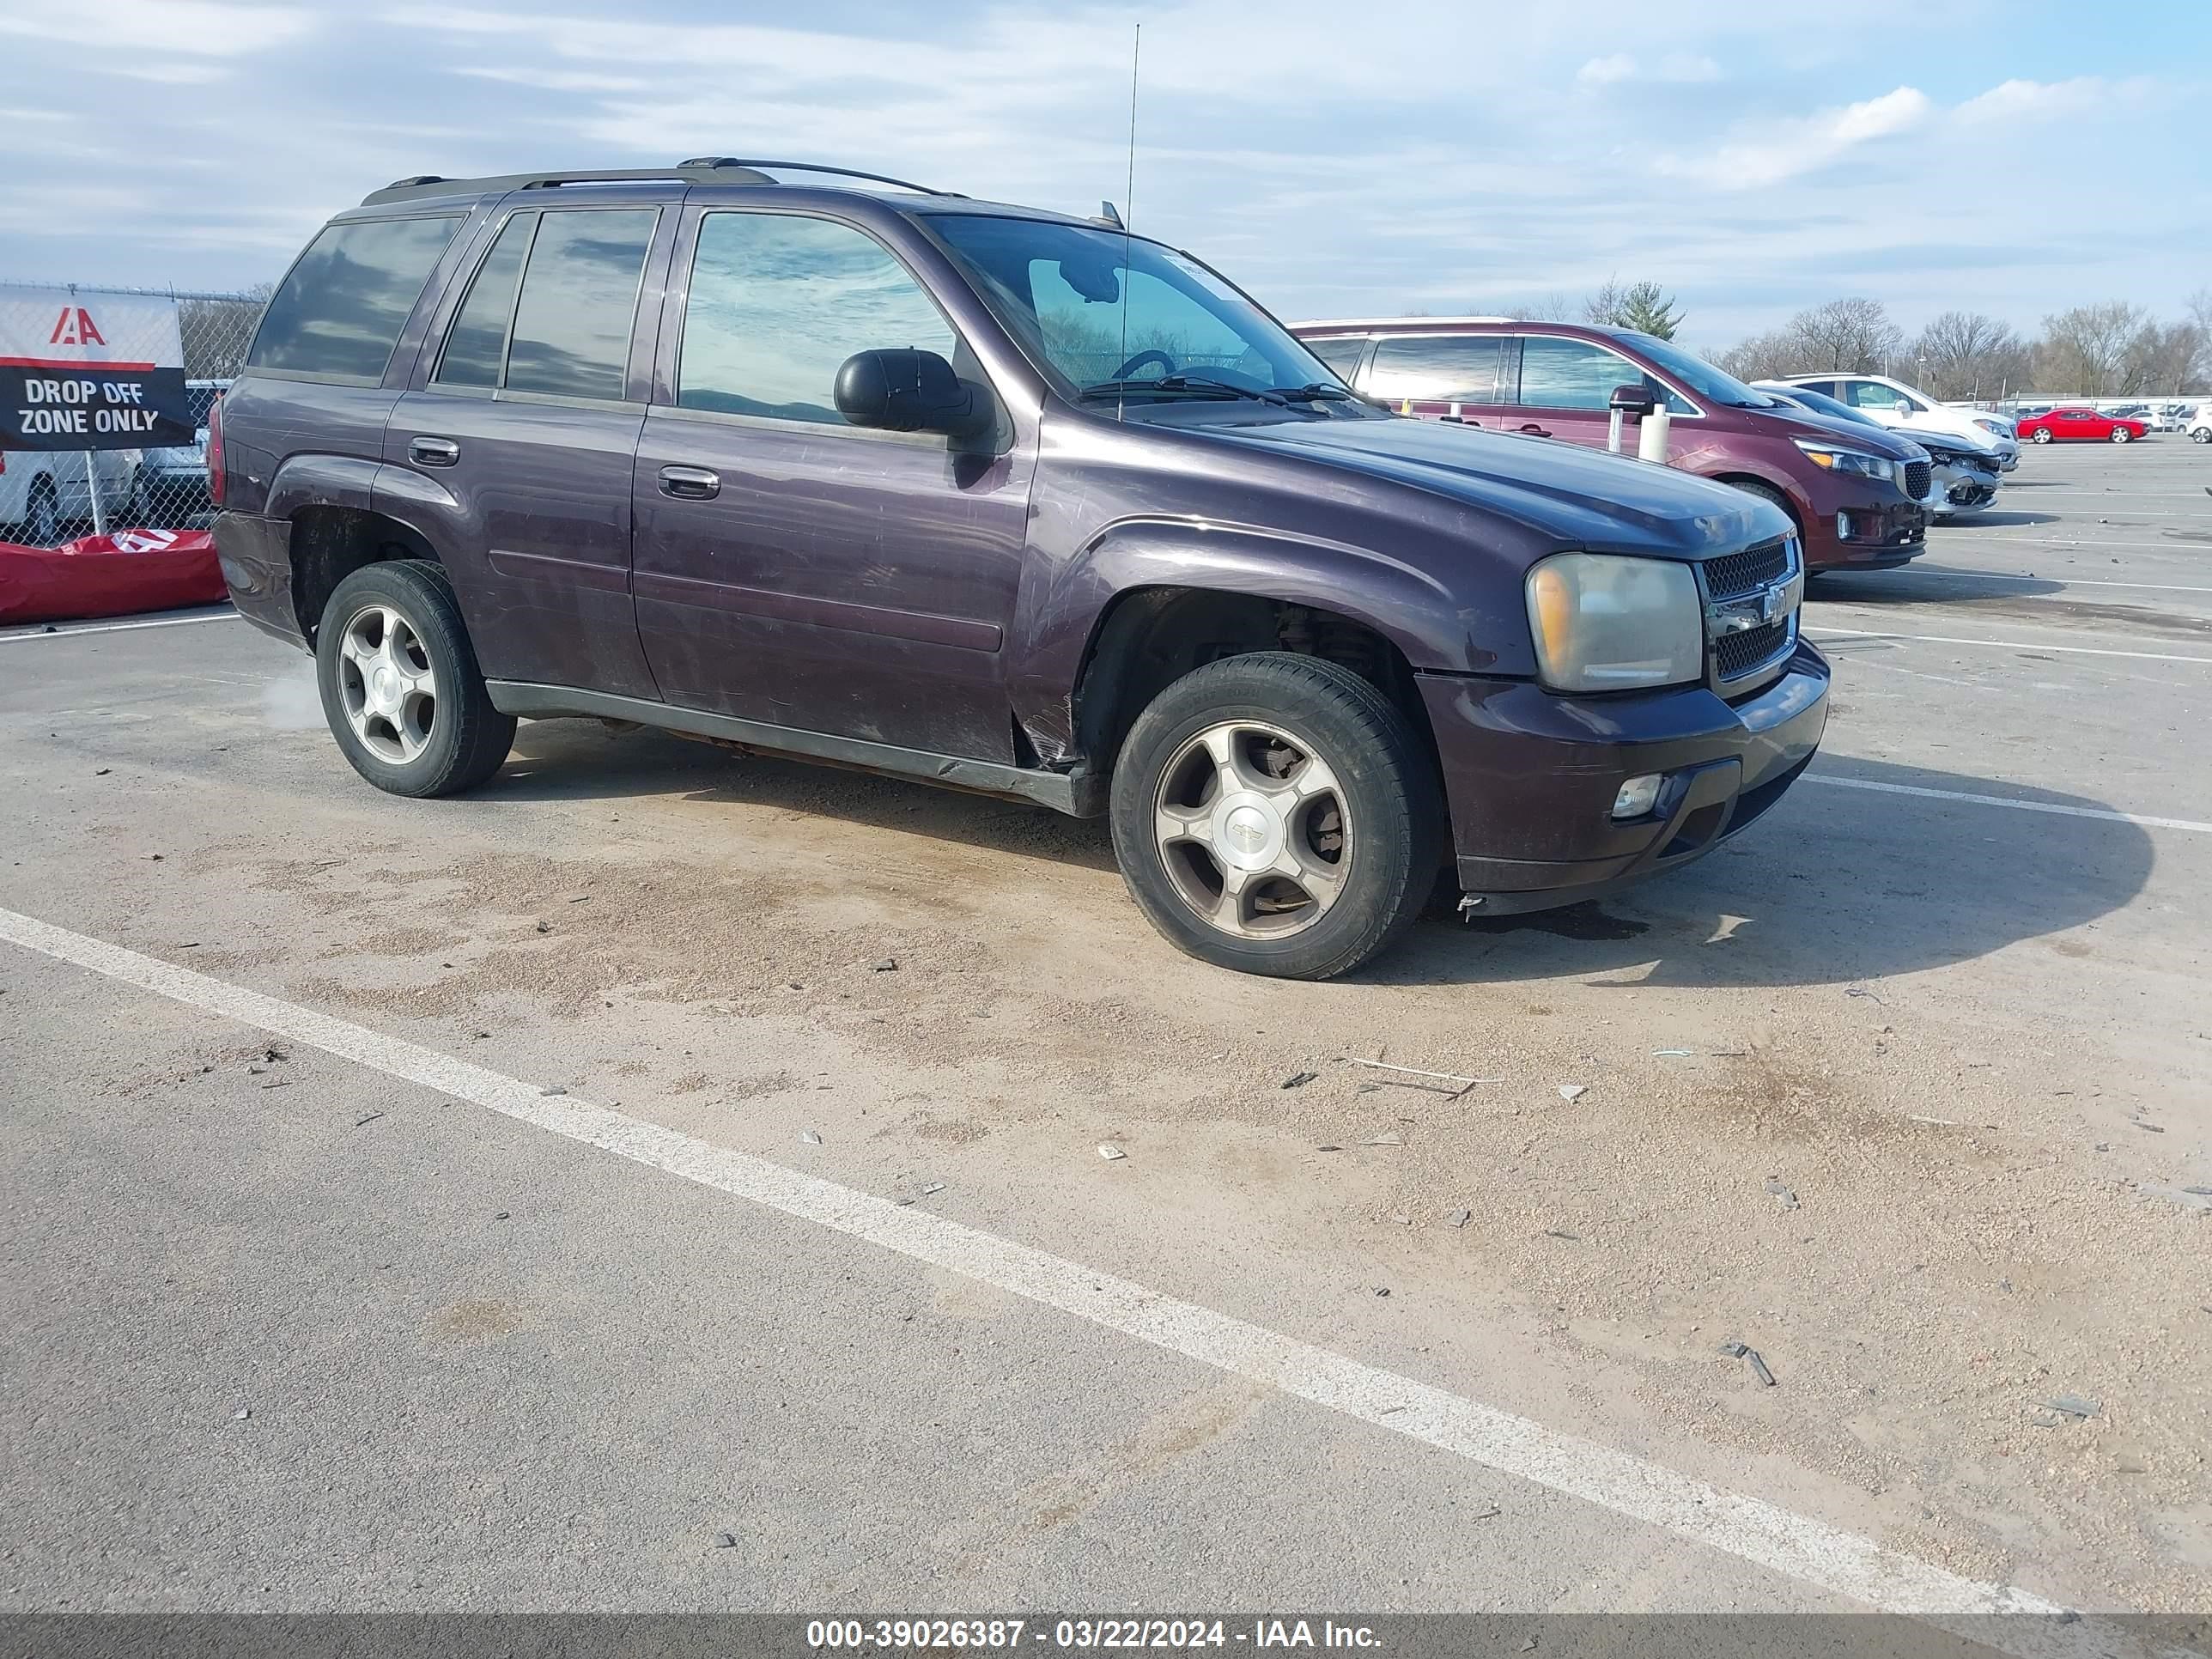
<point x="2202" y="435"/>
<point x="400" y="684"/>
<point x="2121" y="435"/>
<point x="2043" y="434"/>
<point x="1278" y="815"/>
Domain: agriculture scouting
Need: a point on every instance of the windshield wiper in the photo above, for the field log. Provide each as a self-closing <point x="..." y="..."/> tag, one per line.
<point x="1182" y="385"/>
<point x="1312" y="392"/>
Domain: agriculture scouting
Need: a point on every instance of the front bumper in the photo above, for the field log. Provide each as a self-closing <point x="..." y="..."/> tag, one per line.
<point x="1850" y="524"/>
<point x="1531" y="777"/>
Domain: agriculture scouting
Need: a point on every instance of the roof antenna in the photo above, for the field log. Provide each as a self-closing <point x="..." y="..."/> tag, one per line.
<point x="1130" y="212"/>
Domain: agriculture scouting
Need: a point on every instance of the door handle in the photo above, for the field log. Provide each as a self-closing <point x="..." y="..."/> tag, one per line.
<point x="433" y="452"/>
<point x="689" y="484"/>
<point x="1535" y="431"/>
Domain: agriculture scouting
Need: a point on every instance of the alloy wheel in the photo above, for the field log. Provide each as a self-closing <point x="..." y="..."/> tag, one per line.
<point x="1254" y="830"/>
<point x="387" y="684"/>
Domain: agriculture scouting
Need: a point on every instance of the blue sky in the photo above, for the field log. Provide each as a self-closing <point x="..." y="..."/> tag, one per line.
<point x="1428" y="155"/>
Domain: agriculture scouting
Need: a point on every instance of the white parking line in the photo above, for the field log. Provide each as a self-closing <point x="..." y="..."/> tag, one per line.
<point x="114" y="627"/>
<point x="2075" y="544"/>
<point x="1847" y="634"/>
<point x="2142" y="819"/>
<point x="1749" y="1528"/>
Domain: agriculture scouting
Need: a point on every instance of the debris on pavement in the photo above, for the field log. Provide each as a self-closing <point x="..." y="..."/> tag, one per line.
<point x="1461" y="1218"/>
<point x="241" y="1413"/>
<point x="1328" y="1149"/>
<point x="545" y="927"/>
<point x="1554" y="1232"/>
<point x="1573" y="1091"/>
<point x="1110" y="1153"/>
<point x="1863" y="991"/>
<point x="725" y="1541"/>
<point x="1387" y="1138"/>
<point x="1488" y="1512"/>
<point x="885" y="965"/>
<point x="371" y="1118"/>
<point x="1300" y="1080"/>
<point x="933" y="1186"/>
<point x="553" y="1089"/>
<point x="809" y="1137"/>
<point x="1464" y="1083"/>
<point x="1673" y="1054"/>
<point x="1782" y="1195"/>
<point x="1745" y="1350"/>
<point x="2072" y="1404"/>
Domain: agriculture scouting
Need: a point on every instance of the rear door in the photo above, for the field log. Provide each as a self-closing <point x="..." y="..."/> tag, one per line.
<point x="1441" y="375"/>
<point x="517" y="439"/>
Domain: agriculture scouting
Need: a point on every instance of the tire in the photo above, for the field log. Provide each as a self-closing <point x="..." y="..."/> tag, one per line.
<point x="2043" y="434"/>
<point x="1277" y="716"/>
<point x="407" y="701"/>
<point x="1766" y="492"/>
<point x="2203" y="435"/>
<point x="2120" y="435"/>
<point x="42" y="528"/>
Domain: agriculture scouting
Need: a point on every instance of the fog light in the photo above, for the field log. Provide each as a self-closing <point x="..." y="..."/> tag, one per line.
<point x="1843" y="526"/>
<point x="1637" y="796"/>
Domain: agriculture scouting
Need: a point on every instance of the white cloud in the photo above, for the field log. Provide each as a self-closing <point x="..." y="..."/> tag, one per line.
<point x="204" y="28"/>
<point x="2028" y="100"/>
<point x="1770" y="152"/>
<point x="1604" y="71"/>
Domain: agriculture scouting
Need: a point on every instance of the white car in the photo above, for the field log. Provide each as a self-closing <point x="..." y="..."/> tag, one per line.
<point x="1895" y="404"/>
<point x="43" y="490"/>
<point x="2200" y="424"/>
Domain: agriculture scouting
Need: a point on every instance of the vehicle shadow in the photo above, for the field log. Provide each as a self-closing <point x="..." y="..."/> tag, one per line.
<point x="2005" y="516"/>
<point x="1851" y="877"/>
<point x="1847" y="879"/>
<point x="1916" y="583"/>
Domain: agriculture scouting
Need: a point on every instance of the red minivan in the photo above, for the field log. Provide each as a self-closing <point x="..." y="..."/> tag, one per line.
<point x="1853" y="491"/>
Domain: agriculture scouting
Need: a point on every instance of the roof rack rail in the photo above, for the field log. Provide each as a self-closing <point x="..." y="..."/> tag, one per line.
<point x="699" y="170"/>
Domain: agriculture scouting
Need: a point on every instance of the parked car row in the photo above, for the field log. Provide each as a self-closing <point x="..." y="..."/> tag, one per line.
<point x="1967" y="466"/>
<point x="1856" y="493"/>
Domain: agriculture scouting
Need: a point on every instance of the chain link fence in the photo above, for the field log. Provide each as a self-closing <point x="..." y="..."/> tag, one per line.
<point x="52" y="496"/>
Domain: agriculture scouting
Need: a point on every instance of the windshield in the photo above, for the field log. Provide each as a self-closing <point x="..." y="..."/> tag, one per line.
<point x="1701" y="376"/>
<point x="1108" y="311"/>
<point x="1821" y="403"/>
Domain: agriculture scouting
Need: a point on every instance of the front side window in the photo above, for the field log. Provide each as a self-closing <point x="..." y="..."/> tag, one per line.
<point x="1440" y="370"/>
<point x="1114" y="316"/>
<point x="1872" y="394"/>
<point x="340" y="310"/>
<point x="1342" y="356"/>
<point x="777" y="304"/>
<point x="579" y="300"/>
<point x="1561" y="373"/>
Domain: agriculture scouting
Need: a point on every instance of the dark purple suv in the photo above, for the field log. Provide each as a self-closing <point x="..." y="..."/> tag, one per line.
<point x="998" y="499"/>
<point x="1853" y="494"/>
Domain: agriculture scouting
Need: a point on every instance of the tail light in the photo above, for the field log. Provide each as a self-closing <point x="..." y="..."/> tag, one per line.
<point x="216" y="479"/>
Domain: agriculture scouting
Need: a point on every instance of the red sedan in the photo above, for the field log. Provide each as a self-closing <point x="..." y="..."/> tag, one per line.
<point x="2080" y="425"/>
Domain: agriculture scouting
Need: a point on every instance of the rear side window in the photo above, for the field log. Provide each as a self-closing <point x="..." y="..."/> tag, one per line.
<point x="1462" y="369"/>
<point x="476" y="347"/>
<point x="340" y="311"/>
<point x="1872" y="394"/>
<point x="778" y="303"/>
<point x="572" y="324"/>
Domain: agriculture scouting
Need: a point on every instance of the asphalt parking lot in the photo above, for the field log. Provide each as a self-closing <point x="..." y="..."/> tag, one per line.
<point x="809" y="1289"/>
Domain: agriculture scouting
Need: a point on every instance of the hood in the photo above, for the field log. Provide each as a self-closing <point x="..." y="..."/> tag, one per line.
<point x="1578" y="497"/>
<point x="1891" y="443"/>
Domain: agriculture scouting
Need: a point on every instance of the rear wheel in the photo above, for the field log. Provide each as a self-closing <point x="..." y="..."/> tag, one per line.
<point x="1278" y="815"/>
<point x="2203" y="435"/>
<point x="400" y="684"/>
<point x="2043" y="434"/>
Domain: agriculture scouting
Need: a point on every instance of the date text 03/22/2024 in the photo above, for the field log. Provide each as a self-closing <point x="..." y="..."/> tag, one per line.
<point x="833" y="1635"/>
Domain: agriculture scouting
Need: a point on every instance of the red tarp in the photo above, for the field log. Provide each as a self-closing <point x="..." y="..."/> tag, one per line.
<point x="109" y="575"/>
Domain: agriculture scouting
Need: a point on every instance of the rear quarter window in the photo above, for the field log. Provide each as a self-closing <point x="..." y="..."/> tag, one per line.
<point x="341" y="308"/>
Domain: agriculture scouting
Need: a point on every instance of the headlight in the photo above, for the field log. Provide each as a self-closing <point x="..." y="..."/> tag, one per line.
<point x="1604" y="622"/>
<point x="1857" y="461"/>
<point x="1997" y="427"/>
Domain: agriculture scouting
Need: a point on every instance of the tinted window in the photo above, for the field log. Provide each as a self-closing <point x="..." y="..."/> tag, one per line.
<point x="1438" y="370"/>
<point x="476" y="349"/>
<point x="778" y="303"/>
<point x="341" y="309"/>
<point x="1557" y="373"/>
<point x="1872" y="394"/>
<point x="1342" y="356"/>
<point x="578" y="298"/>
<point x="1825" y="388"/>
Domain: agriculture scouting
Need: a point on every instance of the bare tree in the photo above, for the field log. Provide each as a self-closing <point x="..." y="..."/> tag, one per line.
<point x="2199" y="308"/>
<point x="1966" y="354"/>
<point x="1851" y="335"/>
<point x="1552" y="308"/>
<point x="2160" y="359"/>
<point x="1643" y="307"/>
<point x="1763" y="357"/>
<point x="2085" y="350"/>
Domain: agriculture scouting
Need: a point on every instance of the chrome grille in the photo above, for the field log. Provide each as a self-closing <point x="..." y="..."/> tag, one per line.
<point x="1919" y="475"/>
<point x="1734" y="574"/>
<point x="1751" y="605"/>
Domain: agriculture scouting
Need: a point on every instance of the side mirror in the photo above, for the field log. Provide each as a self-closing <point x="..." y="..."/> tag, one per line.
<point x="1632" y="400"/>
<point x="906" y="389"/>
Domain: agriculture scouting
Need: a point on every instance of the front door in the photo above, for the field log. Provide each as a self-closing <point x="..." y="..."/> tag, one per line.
<point x="795" y="570"/>
<point x="1566" y="392"/>
<point x="518" y="442"/>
